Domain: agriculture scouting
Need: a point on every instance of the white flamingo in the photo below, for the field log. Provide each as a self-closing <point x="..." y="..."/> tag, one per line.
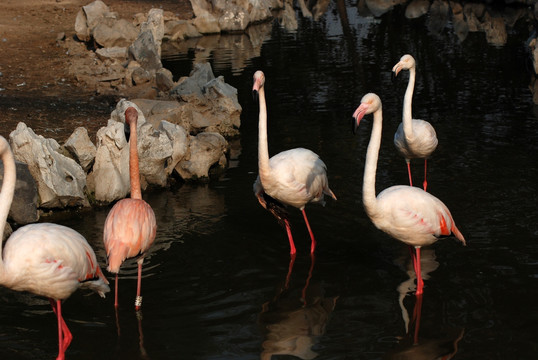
<point x="45" y="259"/>
<point x="294" y="177"/>
<point x="414" y="139"/>
<point x="406" y="213"/>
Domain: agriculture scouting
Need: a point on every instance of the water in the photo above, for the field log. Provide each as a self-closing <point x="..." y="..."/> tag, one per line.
<point x="217" y="283"/>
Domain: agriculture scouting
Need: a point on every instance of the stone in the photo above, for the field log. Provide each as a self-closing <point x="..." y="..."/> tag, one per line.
<point x="155" y="24"/>
<point x="164" y="80"/>
<point x="205" y="150"/>
<point x="88" y="17"/>
<point x="140" y="76"/>
<point x="180" y="143"/>
<point x="144" y="50"/>
<point x="24" y="209"/>
<point x="81" y="148"/>
<point x="234" y="18"/>
<point x="154" y="150"/>
<point x="120" y="33"/>
<point x="115" y="53"/>
<point x="60" y="180"/>
<point x="417" y="8"/>
<point x="180" y="30"/>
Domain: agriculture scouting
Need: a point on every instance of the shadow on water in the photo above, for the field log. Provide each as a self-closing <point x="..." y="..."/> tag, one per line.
<point x="210" y="278"/>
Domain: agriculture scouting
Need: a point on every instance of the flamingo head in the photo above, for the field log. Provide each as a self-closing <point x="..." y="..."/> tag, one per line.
<point x="369" y="104"/>
<point x="131" y="116"/>
<point x="259" y="81"/>
<point x="406" y="62"/>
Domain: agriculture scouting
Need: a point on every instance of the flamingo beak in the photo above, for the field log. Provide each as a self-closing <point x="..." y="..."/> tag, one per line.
<point x="395" y="70"/>
<point x="255" y="94"/>
<point x="255" y="89"/>
<point x="357" y="116"/>
<point x="127" y="131"/>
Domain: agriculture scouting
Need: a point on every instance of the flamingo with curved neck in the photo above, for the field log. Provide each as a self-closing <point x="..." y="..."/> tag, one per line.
<point x="45" y="259"/>
<point x="294" y="177"/>
<point x="130" y="226"/>
<point x="415" y="138"/>
<point x="408" y="214"/>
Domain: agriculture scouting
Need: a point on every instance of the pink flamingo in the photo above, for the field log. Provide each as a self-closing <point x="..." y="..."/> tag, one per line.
<point x="294" y="177"/>
<point x="45" y="259"/>
<point x="407" y="213"/>
<point x="414" y="139"/>
<point x="130" y="226"/>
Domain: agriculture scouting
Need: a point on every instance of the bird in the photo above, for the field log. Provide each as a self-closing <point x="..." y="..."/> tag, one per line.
<point x="408" y="214"/>
<point x="293" y="177"/>
<point x="130" y="226"/>
<point x="414" y="138"/>
<point x="45" y="259"/>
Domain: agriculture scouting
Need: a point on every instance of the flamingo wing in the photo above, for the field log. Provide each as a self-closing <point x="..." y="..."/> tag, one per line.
<point x="52" y="260"/>
<point x="130" y="229"/>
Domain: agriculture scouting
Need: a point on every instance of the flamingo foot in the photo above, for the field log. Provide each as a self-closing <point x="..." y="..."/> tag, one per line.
<point x="409" y="173"/>
<point x="116" y="304"/>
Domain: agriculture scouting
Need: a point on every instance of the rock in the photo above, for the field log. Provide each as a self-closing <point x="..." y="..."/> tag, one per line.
<point x="109" y="180"/>
<point x="144" y="50"/>
<point x="115" y="53"/>
<point x="81" y="147"/>
<point x="24" y="209"/>
<point x="164" y="80"/>
<point x="154" y="150"/>
<point x="205" y="150"/>
<point x="180" y="30"/>
<point x="60" y="180"/>
<point x="234" y="18"/>
<point x="417" y="8"/>
<point x="121" y="34"/>
<point x="140" y="76"/>
<point x="118" y="114"/>
<point x="88" y="17"/>
<point x="260" y="10"/>
<point x="180" y="143"/>
<point x="204" y="21"/>
<point x="155" y="24"/>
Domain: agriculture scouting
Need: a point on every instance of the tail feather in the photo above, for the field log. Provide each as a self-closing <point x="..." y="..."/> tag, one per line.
<point x="456" y="232"/>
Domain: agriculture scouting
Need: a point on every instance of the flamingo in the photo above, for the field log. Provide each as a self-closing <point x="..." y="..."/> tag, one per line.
<point x="45" y="259"/>
<point x="414" y="139"/>
<point x="294" y="177"/>
<point x="408" y="214"/>
<point x="130" y="226"/>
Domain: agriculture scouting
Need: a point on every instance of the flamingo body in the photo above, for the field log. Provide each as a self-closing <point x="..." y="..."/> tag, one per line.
<point x="130" y="226"/>
<point x="409" y="214"/>
<point x="297" y="177"/>
<point x="45" y="259"/>
<point x="130" y="230"/>
<point x="413" y="216"/>
<point x="294" y="177"/>
<point x="51" y="260"/>
<point x="415" y="138"/>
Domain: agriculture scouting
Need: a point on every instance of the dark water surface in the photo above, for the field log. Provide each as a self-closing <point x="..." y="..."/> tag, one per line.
<point x="215" y="281"/>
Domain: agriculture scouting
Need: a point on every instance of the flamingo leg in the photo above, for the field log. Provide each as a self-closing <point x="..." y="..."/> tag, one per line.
<point x="416" y="317"/>
<point x="290" y="269"/>
<point x="313" y="245"/>
<point x="290" y="238"/>
<point x="64" y="335"/>
<point x="116" y="292"/>
<point x="138" y="300"/>
<point x="420" y="282"/>
<point x="409" y="172"/>
<point x="313" y="260"/>
<point x="425" y="183"/>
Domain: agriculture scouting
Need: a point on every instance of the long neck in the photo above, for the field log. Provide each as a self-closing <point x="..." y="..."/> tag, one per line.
<point x="263" y="150"/>
<point x="8" y="188"/>
<point x="408" y="98"/>
<point x="370" y="167"/>
<point x="134" y="172"/>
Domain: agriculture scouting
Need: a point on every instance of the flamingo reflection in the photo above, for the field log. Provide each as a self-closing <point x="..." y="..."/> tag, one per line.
<point x="444" y="345"/>
<point x="295" y="318"/>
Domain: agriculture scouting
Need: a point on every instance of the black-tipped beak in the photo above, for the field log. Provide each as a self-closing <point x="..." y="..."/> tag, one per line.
<point x="255" y="94"/>
<point x="392" y="76"/>
<point x="354" y="125"/>
<point x="127" y="131"/>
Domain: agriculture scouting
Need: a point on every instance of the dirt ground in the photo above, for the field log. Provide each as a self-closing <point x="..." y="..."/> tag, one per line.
<point x="35" y="86"/>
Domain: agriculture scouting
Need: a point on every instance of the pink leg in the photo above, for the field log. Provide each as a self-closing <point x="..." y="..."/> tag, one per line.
<point x="290" y="269"/>
<point x="116" y="292"/>
<point x="420" y="282"/>
<point x="138" y="300"/>
<point x="409" y="172"/>
<point x="290" y="238"/>
<point x="313" y="245"/>
<point x="425" y="183"/>
<point x="313" y="260"/>
<point x="416" y="317"/>
<point x="64" y="335"/>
